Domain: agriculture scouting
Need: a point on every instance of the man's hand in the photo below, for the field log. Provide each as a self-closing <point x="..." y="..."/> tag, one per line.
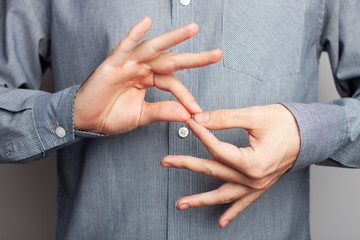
<point x="274" y="145"/>
<point x="111" y="100"/>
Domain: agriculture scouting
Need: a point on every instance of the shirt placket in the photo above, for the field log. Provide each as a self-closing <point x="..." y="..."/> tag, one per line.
<point x="181" y="140"/>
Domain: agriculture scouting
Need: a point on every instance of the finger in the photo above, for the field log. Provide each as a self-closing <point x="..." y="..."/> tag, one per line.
<point x="237" y="158"/>
<point x="163" y="111"/>
<point x="128" y="43"/>
<point x="172" y="62"/>
<point x="247" y="118"/>
<point x="208" y="167"/>
<point x="172" y="84"/>
<point x="238" y="207"/>
<point x="228" y="192"/>
<point x="154" y="47"/>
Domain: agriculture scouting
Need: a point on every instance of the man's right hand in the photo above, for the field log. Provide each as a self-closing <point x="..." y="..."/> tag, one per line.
<point x="111" y="101"/>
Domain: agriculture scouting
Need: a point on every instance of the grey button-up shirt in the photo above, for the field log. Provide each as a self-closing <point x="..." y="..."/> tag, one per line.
<point x="112" y="187"/>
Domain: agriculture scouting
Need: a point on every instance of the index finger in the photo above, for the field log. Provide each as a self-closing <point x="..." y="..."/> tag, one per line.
<point x="238" y="207"/>
<point x="246" y="118"/>
<point x="234" y="157"/>
<point x="128" y="43"/>
<point x="152" y="48"/>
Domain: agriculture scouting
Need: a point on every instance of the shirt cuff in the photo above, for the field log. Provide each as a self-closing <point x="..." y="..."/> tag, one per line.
<point x="53" y="117"/>
<point x="323" y="129"/>
<point x="84" y="134"/>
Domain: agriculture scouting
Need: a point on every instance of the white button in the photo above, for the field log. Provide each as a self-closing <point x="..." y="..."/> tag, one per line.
<point x="60" y="132"/>
<point x="185" y="2"/>
<point x="183" y="132"/>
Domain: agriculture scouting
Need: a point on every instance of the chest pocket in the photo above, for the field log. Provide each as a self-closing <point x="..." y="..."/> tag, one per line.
<point x="262" y="38"/>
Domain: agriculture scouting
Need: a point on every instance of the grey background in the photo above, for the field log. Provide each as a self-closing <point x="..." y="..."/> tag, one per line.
<point x="28" y="192"/>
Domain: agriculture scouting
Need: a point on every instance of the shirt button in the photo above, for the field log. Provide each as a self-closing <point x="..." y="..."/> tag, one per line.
<point x="60" y="132"/>
<point x="185" y="2"/>
<point x="183" y="132"/>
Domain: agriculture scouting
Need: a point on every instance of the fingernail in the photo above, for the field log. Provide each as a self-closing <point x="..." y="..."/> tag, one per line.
<point x="202" y="117"/>
<point x="225" y="223"/>
<point x="195" y="107"/>
<point x="193" y="26"/>
<point x="217" y="51"/>
<point x="167" y="165"/>
<point x="184" y="206"/>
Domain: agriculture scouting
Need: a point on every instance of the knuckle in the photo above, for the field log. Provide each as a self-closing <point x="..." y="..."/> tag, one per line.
<point x="222" y="116"/>
<point x="144" y="43"/>
<point x="143" y="73"/>
<point x="133" y="37"/>
<point x="226" y="199"/>
<point x="107" y="67"/>
<point x="208" y="171"/>
<point x="258" y="170"/>
<point x="148" y="44"/>
<point x="108" y="73"/>
<point x="182" y="162"/>
<point x="198" y="62"/>
<point x="123" y="48"/>
<point x="174" y="64"/>
<point x="232" y="198"/>
<point x="174" y="80"/>
<point x="112" y="52"/>
<point x="225" y="195"/>
<point x="174" y="40"/>
<point x="198" y="202"/>
<point x="216" y="150"/>
<point x="254" y="111"/>
<point x="256" y="174"/>
<point x="220" y="191"/>
<point x="233" y="178"/>
<point x="254" y="115"/>
<point x="259" y="184"/>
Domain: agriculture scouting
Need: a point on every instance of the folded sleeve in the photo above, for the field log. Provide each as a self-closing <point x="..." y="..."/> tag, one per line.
<point x="330" y="133"/>
<point x="32" y="122"/>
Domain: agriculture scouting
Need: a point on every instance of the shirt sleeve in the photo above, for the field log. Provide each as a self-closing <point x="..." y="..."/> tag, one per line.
<point x="330" y="133"/>
<point x="32" y="122"/>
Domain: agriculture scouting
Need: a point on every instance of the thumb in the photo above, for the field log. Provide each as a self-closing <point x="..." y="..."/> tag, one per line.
<point x="246" y="118"/>
<point x="163" y="111"/>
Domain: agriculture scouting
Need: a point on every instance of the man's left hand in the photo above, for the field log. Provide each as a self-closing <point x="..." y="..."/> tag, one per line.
<point x="274" y="145"/>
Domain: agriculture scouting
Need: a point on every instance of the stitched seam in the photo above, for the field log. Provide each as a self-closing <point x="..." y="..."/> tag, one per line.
<point x="302" y="38"/>
<point x="321" y="25"/>
<point x="258" y="77"/>
<point x="346" y="138"/>
<point x="37" y="17"/>
<point x="37" y="133"/>
<point x="72" y="114"/>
